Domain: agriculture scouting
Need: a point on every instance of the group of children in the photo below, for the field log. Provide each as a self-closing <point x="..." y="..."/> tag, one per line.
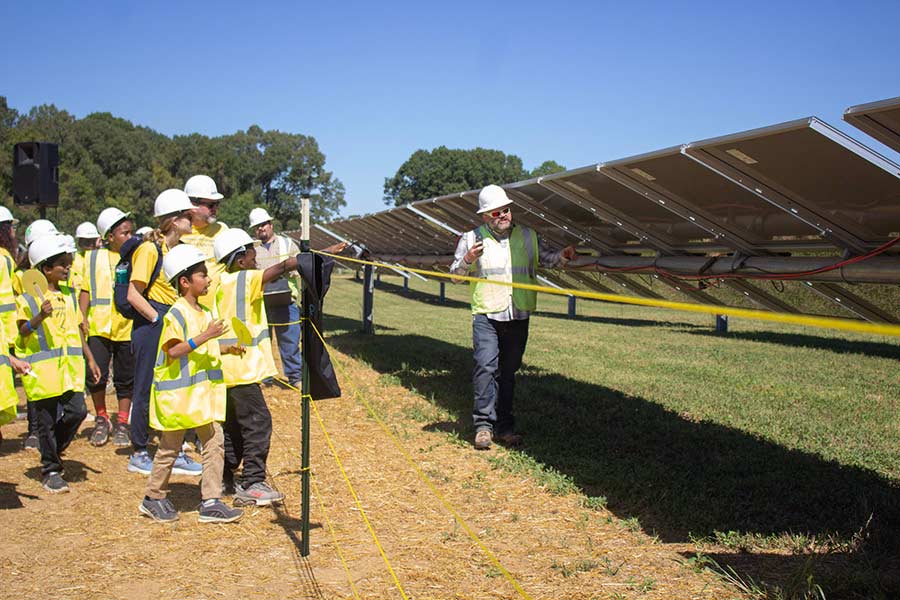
<point x="178" y="365"/>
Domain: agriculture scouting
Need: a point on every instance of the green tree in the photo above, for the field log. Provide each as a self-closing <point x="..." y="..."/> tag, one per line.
<point x="547" y="167"/>
<point x="445" y="171"/>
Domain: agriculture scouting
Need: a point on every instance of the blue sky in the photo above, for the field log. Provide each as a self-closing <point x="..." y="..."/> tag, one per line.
<point x="578" y="83"/>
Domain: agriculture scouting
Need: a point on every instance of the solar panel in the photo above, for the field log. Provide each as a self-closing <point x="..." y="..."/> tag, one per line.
<point x="879" y="119"/>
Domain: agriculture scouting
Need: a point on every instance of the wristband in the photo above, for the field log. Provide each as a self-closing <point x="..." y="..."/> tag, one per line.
<point x="192" y="344"/>
<point x="28" y="326"/>
<point x="155" y="318"/>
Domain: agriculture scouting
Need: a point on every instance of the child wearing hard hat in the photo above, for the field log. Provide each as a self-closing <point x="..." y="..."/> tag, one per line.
<point x="248" y="423"/>
<point x="109" y="333"/>
<point x="8" y="329"/>
<point x="87" y="238"/>
<point x="188" y="390"/>
<point x="51" y="342"/>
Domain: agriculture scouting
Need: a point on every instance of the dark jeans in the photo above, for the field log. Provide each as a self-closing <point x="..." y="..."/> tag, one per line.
<point x="56" y="431"/>
<point x="123" y="365"/>
<point x="288" y="337"/>
<point x="144" y="344"/>
<point x="499" y="346"/>
<point x="248" y="430"/>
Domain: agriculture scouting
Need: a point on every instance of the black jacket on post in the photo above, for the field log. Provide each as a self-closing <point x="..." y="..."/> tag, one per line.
<point x="316" y="273"/>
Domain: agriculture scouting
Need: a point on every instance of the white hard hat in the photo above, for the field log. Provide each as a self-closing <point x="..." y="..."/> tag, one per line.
<point x="258" y="216"/>
<point x="86" y="231"/>
<point x="180" y="258"/>
<point x="69" y="242"/>
<point x="491" y="197"/>
<point x="6" y="216"/>
<point x="109" y="218"/>
<point x="170" y="202"/>
<point x="202" y="186"/>
<point x="230" y="240"/>
<point x="39" y="228"/>
<point x="45" y="247"/>
<point x="143" y="230"/>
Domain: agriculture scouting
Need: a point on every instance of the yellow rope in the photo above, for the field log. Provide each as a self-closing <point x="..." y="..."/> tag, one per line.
<point x="744" y="313"/>
<point x="424" y="478"/>
<point x="362" y="511"/>
<point x="334" y="537"/>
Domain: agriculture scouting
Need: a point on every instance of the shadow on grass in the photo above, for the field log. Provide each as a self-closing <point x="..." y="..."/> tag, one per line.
<point x="799" y="340"/>
<point x="11" y="498"/>
<point x="681" y="478"/>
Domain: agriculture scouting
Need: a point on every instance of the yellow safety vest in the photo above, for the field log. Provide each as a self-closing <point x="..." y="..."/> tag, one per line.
<point x="76" y="271"/>
<point x="188" y="392"/>
<point x="240" y="295"/>
<point x="517" y="263"/>
<point x="8" y="396"/>
<point x="54" y="349"/>
<point x="203" y="239"/>
<point x="103" y="318"/>
<point x="7" y="296"/>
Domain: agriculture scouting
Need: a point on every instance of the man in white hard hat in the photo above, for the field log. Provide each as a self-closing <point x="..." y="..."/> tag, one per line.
<point x="282" y="295"/>
<point x="205" y="226"/>
<point x="501" y="251"/>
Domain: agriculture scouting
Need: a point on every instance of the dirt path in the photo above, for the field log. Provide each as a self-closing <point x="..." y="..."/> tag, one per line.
<point x="92" y="543"/>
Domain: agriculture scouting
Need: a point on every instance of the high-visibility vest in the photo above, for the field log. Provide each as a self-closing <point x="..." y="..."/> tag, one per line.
<point x="54" y="350"/>
<point x="204" y="240"/>
<point x="7" y="296"/>
<point x="76" y="271"/>
<point x="188" y="392"/>
<point x="516" y="263"/>
<point x="102" y="313"/>
<point x="8" y="396"/>
<point x="240" y="295"/>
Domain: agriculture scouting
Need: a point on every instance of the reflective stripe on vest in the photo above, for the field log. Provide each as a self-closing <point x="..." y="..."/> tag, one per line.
<point x="185" y="379"/>
<point x="95" y="301"/>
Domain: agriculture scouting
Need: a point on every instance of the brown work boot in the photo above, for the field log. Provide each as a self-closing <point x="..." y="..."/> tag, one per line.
<point x="509" y="438"/>
<point x="483" y="439"/>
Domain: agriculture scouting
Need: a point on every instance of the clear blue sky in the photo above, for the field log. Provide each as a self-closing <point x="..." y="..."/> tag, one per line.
<point x="577" y="83"/>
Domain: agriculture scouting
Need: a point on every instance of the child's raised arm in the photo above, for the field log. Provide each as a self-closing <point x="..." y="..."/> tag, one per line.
<point x="175" y="349"/>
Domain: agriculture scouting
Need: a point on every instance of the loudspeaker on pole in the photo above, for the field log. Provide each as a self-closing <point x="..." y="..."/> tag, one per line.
<point x="36" y="174"/>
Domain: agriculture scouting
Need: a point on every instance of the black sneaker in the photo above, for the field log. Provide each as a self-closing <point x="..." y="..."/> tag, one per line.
<point x="216" y="511"/>
<point x="161" y="511"/>
<point x="32" y="442"/>
<point x="100" y="434"/>
<point x="55" y="484"/>
<point x="121" y="435"/>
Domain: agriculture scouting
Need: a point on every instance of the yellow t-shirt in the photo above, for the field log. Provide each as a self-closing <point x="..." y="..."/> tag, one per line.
<point x="143" y="261"/>
<point x="76" y="271"/>
<point x="203" y="239"/>
<point x="120" y="330"/>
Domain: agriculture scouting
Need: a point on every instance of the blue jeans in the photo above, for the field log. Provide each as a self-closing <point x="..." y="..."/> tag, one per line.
<point x="145" y="345"/>
<point x="499" y="346"/>
<point x="288" y="337"/>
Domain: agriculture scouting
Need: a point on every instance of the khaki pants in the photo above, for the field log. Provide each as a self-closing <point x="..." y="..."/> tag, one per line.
<point x="212" y="459"/>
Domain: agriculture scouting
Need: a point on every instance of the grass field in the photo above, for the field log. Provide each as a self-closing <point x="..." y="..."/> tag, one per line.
<point x="778" y="441"/>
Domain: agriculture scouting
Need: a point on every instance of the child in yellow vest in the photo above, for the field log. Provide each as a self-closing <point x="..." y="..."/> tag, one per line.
<point x="8" y="396"/>
<point x="188" y="391"/>
<point x="51" y="342"/>
<point x="248" y="423"/>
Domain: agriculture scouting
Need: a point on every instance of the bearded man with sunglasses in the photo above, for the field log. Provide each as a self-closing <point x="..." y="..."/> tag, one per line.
<point x="501" y="251"/>
<point x="205" y="227"/>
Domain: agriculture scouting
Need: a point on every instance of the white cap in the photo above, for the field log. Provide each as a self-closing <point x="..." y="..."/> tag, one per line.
<point x="202" y="186"/>
<point x="230" y="240"/>
<point x="39" y="228"/>
<point x="491" y="197"/>
<point x="86" y="231"/>
<point x="180" y="258"/>
<point x="109" y="218"/>
<point x="46" y="247"/>
<point x="6" y="216"/>
<point x="143" y="230"/>
<point x="258" y="216"/>
<point x="170" y="202"/>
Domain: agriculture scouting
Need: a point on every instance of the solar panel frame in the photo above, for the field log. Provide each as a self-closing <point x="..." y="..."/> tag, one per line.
<point x="880" y="119"/>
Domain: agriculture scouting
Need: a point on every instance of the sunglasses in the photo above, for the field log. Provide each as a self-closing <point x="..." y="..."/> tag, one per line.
<point x="206" y="203"/>
<point x="499" y="213"/>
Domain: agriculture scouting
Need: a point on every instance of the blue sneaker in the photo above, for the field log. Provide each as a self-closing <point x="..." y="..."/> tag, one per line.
<point x="185" y="466"/>
<point x="140" y="462"/>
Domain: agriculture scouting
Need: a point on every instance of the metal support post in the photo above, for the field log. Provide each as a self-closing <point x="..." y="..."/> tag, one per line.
<point x="368" y="321"/>
<point x="306" y="341"/>
<point x="443" y="291"/>
<point x="405" y="284"/>
<point x="356" y="274"/>
<point x="378" y="278"/>
<point x="721" y="324"/>
<point x="571" y="307"/>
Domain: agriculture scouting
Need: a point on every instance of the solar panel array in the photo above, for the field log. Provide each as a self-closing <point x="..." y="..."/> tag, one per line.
<point x="786" y="199"/>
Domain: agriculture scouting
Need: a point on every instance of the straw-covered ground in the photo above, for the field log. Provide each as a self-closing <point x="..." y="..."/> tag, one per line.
<point x="92" y="543"/>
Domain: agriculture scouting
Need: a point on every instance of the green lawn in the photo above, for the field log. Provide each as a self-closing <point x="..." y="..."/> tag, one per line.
<point x="771" y="437"/>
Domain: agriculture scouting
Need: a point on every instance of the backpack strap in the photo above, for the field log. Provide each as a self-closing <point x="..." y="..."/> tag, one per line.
<point x="156" y="269"/>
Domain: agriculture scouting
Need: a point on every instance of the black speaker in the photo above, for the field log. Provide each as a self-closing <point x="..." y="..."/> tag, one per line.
<point x="36" y="173"/>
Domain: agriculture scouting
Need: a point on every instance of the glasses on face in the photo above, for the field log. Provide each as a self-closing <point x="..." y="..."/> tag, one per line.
<point x="499" y="213"/>
<point x="206" y="203"/>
